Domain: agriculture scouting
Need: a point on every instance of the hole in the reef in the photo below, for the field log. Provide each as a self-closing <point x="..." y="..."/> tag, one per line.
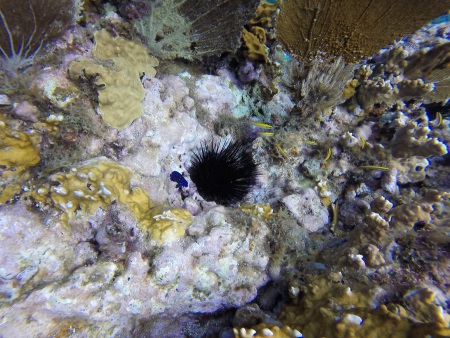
<point x="420" y="225"/>
<point x="419" y="168"/>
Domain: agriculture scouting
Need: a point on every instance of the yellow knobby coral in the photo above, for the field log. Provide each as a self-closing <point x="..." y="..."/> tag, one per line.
<point x="264" y="211"/>
<point x="328" y="308"/>
<point x="350" y="88"/>
<point x="264" y="13"/>
<point x="165" y="224"/>
<point x="260" y="33"/>
<point x="425" y="309"/>
<point x="120" y="87"/>
<point x="266" y="330"/>
<point x="19" y="151"/>
<point x="256" y="50"/>
<point x="82" y="191"/>
<point x="406" y="215"/>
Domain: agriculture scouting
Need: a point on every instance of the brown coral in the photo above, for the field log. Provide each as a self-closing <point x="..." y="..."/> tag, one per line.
<point x="256" y="50"/>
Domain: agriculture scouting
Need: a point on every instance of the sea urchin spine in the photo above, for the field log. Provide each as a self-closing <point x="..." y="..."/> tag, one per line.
<point x="224" y="172"/>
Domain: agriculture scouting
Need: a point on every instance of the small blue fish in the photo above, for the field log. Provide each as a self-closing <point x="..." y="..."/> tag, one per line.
<point x="175" y="176"/>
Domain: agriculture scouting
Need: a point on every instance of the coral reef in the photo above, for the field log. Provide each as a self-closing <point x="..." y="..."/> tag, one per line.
<point x="338" y="220"/>
<point x="352" y="312"/>
<point x="264" y="330"/>
<point x="219" y="264"/>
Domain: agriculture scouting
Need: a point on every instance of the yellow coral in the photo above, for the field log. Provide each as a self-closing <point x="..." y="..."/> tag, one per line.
<point x="406" y="215"/>
<point x="256" y="50"/>
<point x="120" y="87"/>
<point x="260" y="33"/>
<point x="266" y="330"/>
<point x="330" y="309"/>
<point x="165" y="224"/>
<point x="82" y="191"/>
<point x="19" y="151"/>
<point x="425" y="310"/>
<point x="264" y="211"/>
<point x="350" y="89"/>
<point x="264" y="13"/>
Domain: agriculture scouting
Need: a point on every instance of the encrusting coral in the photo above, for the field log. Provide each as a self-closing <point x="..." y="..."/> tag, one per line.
<point x="19" y="151"/>
<point x="265" y="330"/>
<point x="120" y="91"/>
<point x="97" y="184"/>
<point x="264" y="13"/>
<point x="165" y="224"/>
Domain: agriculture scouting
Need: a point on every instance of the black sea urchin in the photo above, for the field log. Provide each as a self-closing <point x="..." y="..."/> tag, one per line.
<point x="224" y="172"/>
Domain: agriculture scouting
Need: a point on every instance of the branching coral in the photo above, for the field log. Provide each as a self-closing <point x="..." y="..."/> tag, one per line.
<point x="413" y="139"/>
<point x="404" y="73"/>
<point x="329" y="308"/>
